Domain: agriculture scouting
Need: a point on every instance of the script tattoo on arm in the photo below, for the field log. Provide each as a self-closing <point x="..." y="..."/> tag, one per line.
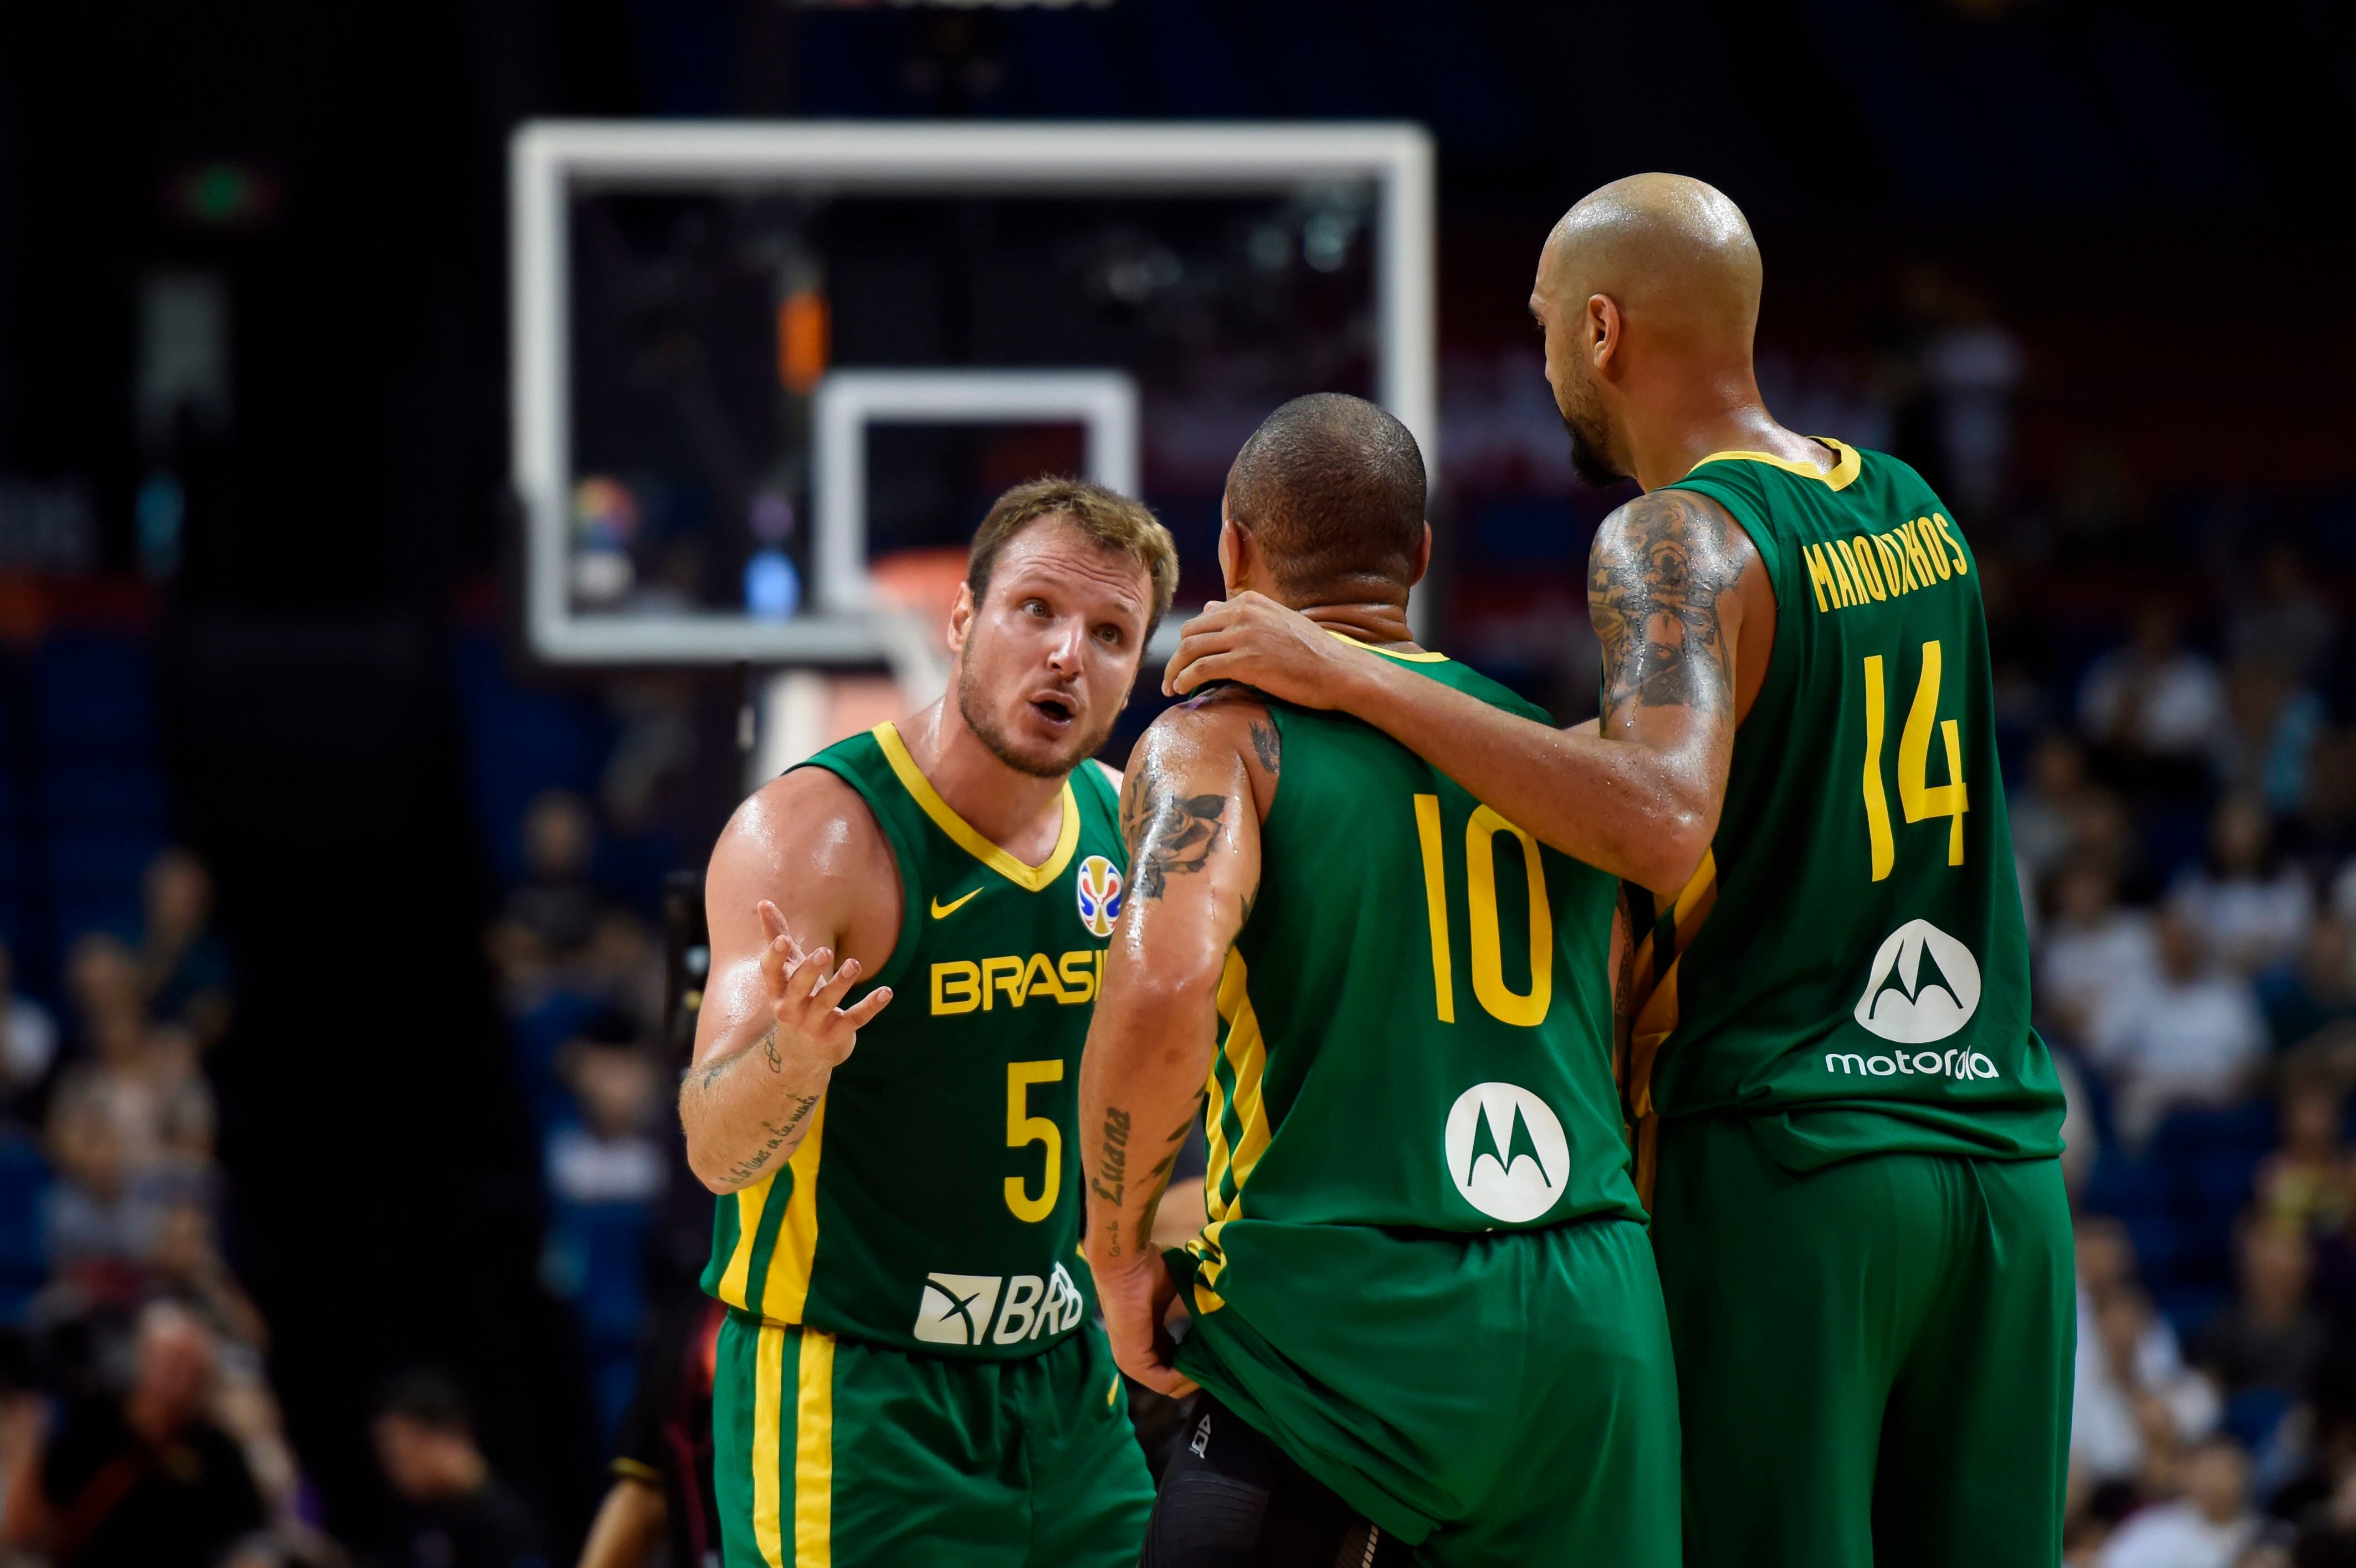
<point x="1169" y="834"/>
<point x="750" y="1166"/>
<point x="1659" y="569"/>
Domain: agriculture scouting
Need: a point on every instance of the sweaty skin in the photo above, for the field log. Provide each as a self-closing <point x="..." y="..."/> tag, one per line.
<point x="1647" y="293"/>
<point x="803" y="876"/>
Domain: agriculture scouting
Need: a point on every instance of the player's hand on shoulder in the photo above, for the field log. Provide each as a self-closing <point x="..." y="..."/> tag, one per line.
<point x="805" y="993"/>
<point x="1254" y="639"/>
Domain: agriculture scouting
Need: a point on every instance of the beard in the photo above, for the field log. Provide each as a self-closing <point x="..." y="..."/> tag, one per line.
<point x="974" y="707"/>
<point x="1591" y="440"/>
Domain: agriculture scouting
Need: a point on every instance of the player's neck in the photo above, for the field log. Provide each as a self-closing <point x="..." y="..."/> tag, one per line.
<point x="1018" y="812"/>
<point x="1378" y="624"/>
<point x="1703" y="413"/>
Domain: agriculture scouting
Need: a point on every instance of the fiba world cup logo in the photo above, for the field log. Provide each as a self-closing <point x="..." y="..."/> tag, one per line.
<point x="1099" y="895"/>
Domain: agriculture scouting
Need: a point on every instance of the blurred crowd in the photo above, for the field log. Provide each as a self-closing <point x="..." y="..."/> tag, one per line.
<point x="2186" y="826"/>
<point x="138" y="1425"/>
<point x="581" y="982"/>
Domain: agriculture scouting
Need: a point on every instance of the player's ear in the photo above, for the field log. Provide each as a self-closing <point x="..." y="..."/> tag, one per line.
<point x="961" y="617"/>
<point x="1422" y="558"/>
<point x="1235" y="553"/>
<point x="1602" y="325"/>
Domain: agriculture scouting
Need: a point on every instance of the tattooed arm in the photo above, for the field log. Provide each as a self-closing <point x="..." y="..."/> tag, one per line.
<point x="1198" y="786"/>
<point x="794" y="881"/>
<point x="1675" y="589"/>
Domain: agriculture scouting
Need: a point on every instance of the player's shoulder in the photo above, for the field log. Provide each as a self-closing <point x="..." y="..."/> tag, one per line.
<point x="1225" y="713"/>
<point x="1672" y="531"/>
<point x="1209" y="732"/>
<point x="809" y="820"/>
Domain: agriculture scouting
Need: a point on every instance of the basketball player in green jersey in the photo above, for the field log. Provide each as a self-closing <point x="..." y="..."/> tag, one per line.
<point x="1426" y="1325"/>
<point x="906" y="1376"/>
<point x="1848" y="1126"/>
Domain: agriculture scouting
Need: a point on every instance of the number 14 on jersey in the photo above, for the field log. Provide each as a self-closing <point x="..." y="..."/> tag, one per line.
<point x="1917" y="796"/>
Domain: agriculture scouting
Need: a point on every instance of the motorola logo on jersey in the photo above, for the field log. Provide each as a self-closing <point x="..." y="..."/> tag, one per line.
<point x="1097" y="889"/>
<point x="1923" y="986"/>
<point x="1506" y="1152"/>
<point x="967" y="1308"/>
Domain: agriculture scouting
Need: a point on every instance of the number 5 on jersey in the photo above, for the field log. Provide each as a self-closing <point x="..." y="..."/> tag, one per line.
<point x="1024" y="1129"/>
<point x="1917" y="795"/>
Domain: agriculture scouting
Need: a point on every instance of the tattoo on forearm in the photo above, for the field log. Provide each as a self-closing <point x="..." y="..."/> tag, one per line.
<point x="745" y="1169"/>
<point x="1270" y="748"/>
<point x="1110" y="1182"/>
<point x="1652" y="588"/>
<point x="769" y="1046"/>
<point x="1170" y="835"/>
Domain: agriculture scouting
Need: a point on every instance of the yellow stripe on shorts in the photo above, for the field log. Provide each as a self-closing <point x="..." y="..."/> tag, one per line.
<point x="814" y="1454"/>
<point x="769" y="1399"/>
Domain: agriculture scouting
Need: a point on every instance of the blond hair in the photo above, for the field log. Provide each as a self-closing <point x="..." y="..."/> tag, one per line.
<point x="1112" y="520"/>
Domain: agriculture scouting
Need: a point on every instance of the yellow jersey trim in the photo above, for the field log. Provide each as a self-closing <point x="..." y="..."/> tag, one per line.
<point x="1246" y="1053"/>
<point x="1427" y="656"/>
<point x="1030" y="879"/>
<point x="785" y="1288"/>
<point x="814" y="1452"/>
<point x="1844" y="470"/>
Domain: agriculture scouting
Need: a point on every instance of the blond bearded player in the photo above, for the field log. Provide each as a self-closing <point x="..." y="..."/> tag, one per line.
<point x="908" y="1375"/>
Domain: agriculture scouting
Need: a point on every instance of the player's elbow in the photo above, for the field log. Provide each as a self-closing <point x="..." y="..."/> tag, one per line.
<point x="1668" y="857"/>
<point x="1155" y="987"/>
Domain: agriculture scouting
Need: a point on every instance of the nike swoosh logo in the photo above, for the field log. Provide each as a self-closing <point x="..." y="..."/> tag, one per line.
<point x="942" y="911"/>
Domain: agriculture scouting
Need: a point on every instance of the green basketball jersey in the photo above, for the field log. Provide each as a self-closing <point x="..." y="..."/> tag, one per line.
<point x="1851" y="961"/>
<point x="934" y="1204"/>
<point x="1415" y="1021"/>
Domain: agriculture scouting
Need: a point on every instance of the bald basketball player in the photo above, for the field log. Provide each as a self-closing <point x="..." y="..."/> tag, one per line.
<point x="906" y="936"/>
<point x="1845" y="1125"/>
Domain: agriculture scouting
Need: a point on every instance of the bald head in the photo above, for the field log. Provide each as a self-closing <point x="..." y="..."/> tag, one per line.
<point x="1674" y="255"/>
<point x="1648" y="293"/>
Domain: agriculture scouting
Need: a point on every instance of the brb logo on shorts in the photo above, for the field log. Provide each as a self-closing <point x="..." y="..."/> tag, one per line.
<point x="1505" y="1152"/>
<point x="961" y="1308"/>
<point x="1923" y="986"/>
<point x="1099" y="895"/>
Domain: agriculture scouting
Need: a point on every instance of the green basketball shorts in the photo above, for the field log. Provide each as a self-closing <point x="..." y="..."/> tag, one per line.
<point x="1502" y="1400"/>
<point x="1873" y="1357"/>
<point x="829" y="1452"/>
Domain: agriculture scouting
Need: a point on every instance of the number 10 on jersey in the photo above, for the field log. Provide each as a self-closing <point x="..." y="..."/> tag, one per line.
<point x="1917" y="796"/>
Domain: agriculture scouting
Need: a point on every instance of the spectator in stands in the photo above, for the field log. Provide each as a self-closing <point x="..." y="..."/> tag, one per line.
<point x="2208" y="1527"/>
<point x="145" y="1078"/>
<point x="2310" y="1005"/>
<point x="2095" y="949"/>
<point x="2272" y="725"/>
<point x="2308" y="1184"/>
<point x="28" y="1043"/>
<point x="2270" y="1335"/>
<point x="610" y="1156"/>
<point x="2190" y="1039"/>
<point x="98" y="1226"/>
<point x="145" y="1480"/>
<point x="2062" y="813"/>
<point x="454" y="1512"/>
<point x="551" y="918"/>
<point x="2282" y="617"/>
<point x="2153" y="700"/>
<point x="2254" y="907"/>
<point x="184" y="967"/>
<point x="2135" y="1401"/>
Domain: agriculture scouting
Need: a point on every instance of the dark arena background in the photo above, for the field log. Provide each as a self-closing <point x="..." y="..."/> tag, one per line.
<point x="341" y="990"/>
